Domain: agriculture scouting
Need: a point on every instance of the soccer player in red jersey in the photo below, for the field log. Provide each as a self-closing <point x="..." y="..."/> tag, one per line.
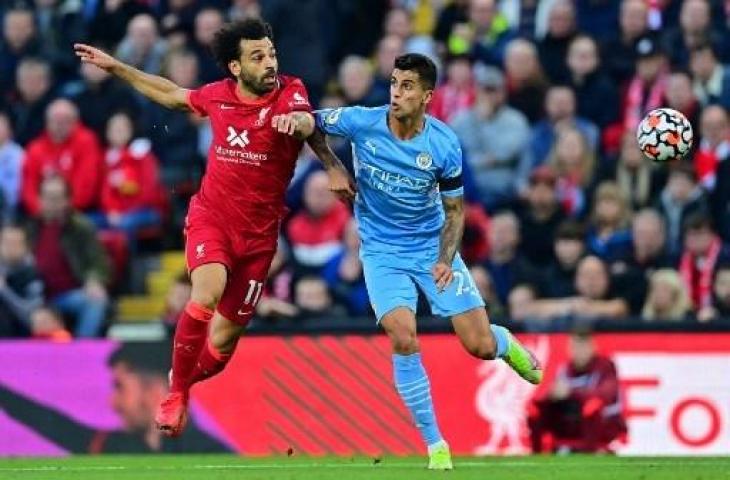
<point x="259" y="120"/>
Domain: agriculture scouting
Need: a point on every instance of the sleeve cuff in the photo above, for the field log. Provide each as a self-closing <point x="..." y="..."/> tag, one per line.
<point x="459" y="192"/>
<point x="198" y="111"/>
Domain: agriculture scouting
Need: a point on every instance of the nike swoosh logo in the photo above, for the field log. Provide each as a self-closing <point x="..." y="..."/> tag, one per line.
<point x="243" y="314"/>
<point x="227" y="107"/>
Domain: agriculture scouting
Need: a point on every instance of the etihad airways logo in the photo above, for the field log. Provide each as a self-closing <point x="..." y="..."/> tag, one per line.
<point x="394" y="182"/>
<point x="236" y="139"/>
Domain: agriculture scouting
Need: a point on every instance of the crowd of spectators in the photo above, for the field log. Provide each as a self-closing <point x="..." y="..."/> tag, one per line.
<point x="565" y="217"/>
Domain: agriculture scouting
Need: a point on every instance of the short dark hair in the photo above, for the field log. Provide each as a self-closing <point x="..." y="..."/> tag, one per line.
<point x="698" y="221"/>
<point x="226" y="45"/>
<point x="681" y="71"/>
<point x="685" y="169"/>
<point x="571" y="230"/>
<point x="422" y="65"/>
<point x="705" y="45"/>
<point x="459" y="57"/>
<point x="582" y="330"/>
<point x="150" y="358"/>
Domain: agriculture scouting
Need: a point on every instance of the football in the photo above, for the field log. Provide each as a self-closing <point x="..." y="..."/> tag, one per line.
<point x="664" y="135"/>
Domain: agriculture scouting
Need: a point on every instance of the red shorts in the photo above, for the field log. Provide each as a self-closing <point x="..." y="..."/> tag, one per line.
<point x="247" y="258"/>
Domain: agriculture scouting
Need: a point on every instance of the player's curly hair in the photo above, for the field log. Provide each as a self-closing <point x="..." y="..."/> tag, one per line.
<point x="226" y="45"/>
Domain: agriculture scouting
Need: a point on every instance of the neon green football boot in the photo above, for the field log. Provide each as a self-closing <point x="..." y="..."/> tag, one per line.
<point x="522" y="361"/>
<point x="439" y="456"/>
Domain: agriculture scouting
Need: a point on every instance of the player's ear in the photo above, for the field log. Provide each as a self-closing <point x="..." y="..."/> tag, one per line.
<point x="234" y="66"/>
<point x="427" y="97"/>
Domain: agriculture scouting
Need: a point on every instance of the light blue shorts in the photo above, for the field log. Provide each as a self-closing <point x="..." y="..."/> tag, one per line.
<point x="392" y="279"/>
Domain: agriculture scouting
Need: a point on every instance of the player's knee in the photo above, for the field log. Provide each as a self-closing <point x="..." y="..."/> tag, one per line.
<point x="206" y="298"/>
<point x="404" y="342"/>
<point x="482" y="346"/>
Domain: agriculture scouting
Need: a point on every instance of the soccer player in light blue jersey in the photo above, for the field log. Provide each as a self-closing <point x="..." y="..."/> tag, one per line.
<point x="410" y="210"/>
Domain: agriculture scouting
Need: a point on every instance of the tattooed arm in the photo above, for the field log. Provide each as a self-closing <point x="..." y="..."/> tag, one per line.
<point x="341" y="183"/>
<point x="451" y="234"/>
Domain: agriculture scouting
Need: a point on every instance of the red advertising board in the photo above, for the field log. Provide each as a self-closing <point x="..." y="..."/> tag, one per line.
<point x="322" y="395"/>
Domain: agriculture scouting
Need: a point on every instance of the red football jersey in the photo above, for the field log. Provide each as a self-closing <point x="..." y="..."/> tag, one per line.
<point x="249" y="163"/>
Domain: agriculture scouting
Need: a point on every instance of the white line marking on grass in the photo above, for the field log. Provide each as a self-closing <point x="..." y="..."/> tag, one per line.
<point x="58" y="468"/>
<point x="383" y="464"/>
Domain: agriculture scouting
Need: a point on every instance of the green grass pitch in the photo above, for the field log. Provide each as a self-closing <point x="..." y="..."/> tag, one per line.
<point x="224" y="467"/>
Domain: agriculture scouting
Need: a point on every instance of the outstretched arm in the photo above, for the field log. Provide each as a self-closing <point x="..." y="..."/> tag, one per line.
<point x="451" y="234"/>
<point x="341" y="183"/>
<point x="158" y="89"/>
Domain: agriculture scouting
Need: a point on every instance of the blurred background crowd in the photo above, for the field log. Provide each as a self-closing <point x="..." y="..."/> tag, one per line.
<point x="565" y="217"/>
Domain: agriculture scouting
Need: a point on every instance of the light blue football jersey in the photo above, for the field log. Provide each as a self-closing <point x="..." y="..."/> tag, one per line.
<point x="398" y="205"/>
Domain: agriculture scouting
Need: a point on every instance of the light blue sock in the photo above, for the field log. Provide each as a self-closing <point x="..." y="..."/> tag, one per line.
<point x="501" y="335"/>
<point x="414" y="388"/>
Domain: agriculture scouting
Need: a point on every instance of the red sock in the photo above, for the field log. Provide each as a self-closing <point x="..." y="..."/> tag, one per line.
<point x="210" y="362"/>
<point x="190" y="335"/>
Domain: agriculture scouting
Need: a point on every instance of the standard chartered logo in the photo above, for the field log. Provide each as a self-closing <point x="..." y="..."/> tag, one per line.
<point x="392" y="181"/>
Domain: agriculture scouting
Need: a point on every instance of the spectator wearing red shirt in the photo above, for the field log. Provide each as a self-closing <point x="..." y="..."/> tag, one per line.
<point x="70" y="259"/>
<point x="130" y="191"/>
<point x="317" y="231"/>
<point x="582" y="410"/>
<point x="714" y="147"/>
<point x="65" y="148"/>
<point x="703" y="252"/>
<point x="458" y="93"/>
<point x="475" y="241"/>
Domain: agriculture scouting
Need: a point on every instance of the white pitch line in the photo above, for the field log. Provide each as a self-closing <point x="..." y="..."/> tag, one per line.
<point x="60" y="468"/>
<point x="279" y="466"/>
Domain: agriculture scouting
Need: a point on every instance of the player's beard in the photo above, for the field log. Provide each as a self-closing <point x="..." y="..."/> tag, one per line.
<point x="255" y="84"/>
